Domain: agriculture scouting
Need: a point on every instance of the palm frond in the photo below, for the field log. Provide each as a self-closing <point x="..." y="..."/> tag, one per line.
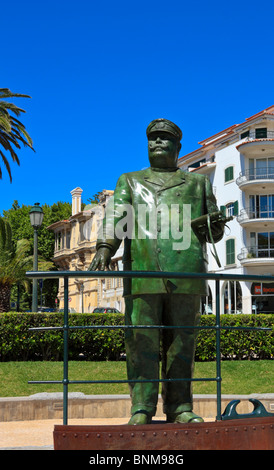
<point x="12" y="132"/>
<point x="2" y="235"/>
<point x="7" y="165"/>
<point x="6" y="93"/>
<point x="5" y="123"/>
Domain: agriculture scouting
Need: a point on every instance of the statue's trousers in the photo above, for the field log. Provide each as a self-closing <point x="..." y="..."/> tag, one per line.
<point x="177" y="349"/>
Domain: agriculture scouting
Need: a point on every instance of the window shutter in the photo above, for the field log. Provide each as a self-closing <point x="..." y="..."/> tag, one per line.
<point x="236" y="208"/>
<point x="229" y="173"/>
<point x="230" y="251"/>
<point x="261" y="132"/>
<point x="223" y="210"/>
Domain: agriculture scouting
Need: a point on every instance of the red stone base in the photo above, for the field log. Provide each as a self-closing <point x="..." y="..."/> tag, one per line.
<point x="238" y="434"/>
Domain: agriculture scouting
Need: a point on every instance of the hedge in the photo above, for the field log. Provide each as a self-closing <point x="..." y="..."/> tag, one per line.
<point x="237" y="344"/>
<point x="20" y="344"/>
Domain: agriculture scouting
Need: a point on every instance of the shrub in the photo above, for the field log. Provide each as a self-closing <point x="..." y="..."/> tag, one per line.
<point x="20" y="344"/>
<point x="236" y="344"/>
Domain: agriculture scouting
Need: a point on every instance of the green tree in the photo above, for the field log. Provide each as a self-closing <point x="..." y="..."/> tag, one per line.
<point x="19" y="219"/>
<point x="94" y="199"/>
<point x="14" y="262"/>
<point x="12" y="132"/>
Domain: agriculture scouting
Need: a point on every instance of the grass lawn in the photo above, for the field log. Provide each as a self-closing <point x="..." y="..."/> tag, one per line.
<point x="239" y="377"/>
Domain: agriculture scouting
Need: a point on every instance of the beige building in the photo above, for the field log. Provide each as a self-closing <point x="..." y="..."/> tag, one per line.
<point x="75" y="242"/>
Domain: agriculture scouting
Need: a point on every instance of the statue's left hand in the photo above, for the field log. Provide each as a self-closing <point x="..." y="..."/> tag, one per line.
<point x="101" y="260"/>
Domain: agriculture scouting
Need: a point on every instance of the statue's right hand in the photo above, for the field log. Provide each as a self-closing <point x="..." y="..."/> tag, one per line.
<point x="101" y="260"/>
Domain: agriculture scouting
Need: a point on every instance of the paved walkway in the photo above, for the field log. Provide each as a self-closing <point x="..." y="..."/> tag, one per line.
<point x="38" y="435"/>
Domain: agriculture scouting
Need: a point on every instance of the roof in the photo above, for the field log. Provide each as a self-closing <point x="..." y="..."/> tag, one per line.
<point x="219" y="135"/>
<point x="269" y="110"/>
<point x="56" y="224"/>
<point x="228" y="131"/>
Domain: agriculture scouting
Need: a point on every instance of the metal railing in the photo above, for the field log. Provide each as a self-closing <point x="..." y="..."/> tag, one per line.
<point x="249" y="213"/>
<point x="258" y="134"/>
<point x="149" y="275"/>
<point x="256" y="251"/>
<point x="254" y="174"/>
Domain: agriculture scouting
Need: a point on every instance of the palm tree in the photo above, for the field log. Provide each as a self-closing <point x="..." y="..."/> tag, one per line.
<point x="12" y="131"/>
<point x="14" y="262"/>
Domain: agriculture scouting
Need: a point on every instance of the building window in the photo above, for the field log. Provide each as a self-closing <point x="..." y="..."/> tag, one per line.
<point x="197" y="164"/>
<point x="68" y="240"/>
<point x="229" y="174"/>
<point x="261" y="206"/>
<point x="59" y="241"/>
<point x="262" y="297"/>
<point x="230" y="209"/>
<point x="262" y="244"/>
<point x="232" y="297"/>
<point x="206" y="303"/>
<point x="230" y="251"/>
<point x="261" y="133"/>
<point x="244" y="135"/>
<point x="261" y="168"/>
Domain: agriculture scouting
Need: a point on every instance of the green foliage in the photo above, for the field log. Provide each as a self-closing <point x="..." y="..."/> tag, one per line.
<point x="20" y="344"/>
<point x="237" y="344"/>
<point x="19" y="220"/>
<point x="15" y="260"/>
<point x="94" y="199"/>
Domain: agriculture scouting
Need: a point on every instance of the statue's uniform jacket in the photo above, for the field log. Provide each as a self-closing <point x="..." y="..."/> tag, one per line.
<point x="148" y="249"/>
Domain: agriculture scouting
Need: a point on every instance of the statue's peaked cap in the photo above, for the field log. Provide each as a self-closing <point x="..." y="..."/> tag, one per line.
<point x="163" y="125"/>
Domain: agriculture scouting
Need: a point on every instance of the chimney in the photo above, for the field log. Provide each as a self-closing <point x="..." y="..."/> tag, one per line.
<point x="76" y="200"/>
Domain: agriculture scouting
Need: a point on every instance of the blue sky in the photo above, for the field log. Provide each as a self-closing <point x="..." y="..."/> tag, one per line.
<point x="99" y="72"/>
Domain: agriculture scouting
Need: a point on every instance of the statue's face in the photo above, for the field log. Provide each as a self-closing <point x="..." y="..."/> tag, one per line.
<point x="163" y="150"/>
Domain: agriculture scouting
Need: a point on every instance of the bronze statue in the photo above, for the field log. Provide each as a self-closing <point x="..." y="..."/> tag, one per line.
<point x="160" y="202"/>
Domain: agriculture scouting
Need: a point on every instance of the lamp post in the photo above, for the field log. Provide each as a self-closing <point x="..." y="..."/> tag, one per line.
<point x="36" y="218"/>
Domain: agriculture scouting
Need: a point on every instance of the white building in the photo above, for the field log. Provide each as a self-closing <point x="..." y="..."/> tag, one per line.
<point x="239" y="162"/>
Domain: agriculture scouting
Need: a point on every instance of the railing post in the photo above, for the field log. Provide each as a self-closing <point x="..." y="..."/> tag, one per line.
<point x="218" y="352"/>
<point x="65" y="370"/>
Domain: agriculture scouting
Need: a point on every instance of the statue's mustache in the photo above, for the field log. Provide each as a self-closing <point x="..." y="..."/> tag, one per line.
<point x="157" y="147"/>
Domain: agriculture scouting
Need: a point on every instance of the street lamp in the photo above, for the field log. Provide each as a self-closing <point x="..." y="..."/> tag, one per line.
<point x="36" y="218"/>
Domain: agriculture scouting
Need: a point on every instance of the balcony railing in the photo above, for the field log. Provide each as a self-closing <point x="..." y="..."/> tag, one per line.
<point x="263" y="212"/>
<point x="264" y="173"/>
<point x="256" y="135"/>
<point x="262" y="251"/>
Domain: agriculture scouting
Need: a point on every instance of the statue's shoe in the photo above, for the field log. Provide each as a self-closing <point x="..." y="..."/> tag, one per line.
<point x="140" y="418"/>
<point x="184" y="417"/>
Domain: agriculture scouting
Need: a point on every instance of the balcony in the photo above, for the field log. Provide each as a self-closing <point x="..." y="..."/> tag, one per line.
<point x="260" y="134"/>
<point x="257" y="141"/>
<point x="256" y="217"/>
<point x="259" y="178"/>
<point x="256" y="256"/>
